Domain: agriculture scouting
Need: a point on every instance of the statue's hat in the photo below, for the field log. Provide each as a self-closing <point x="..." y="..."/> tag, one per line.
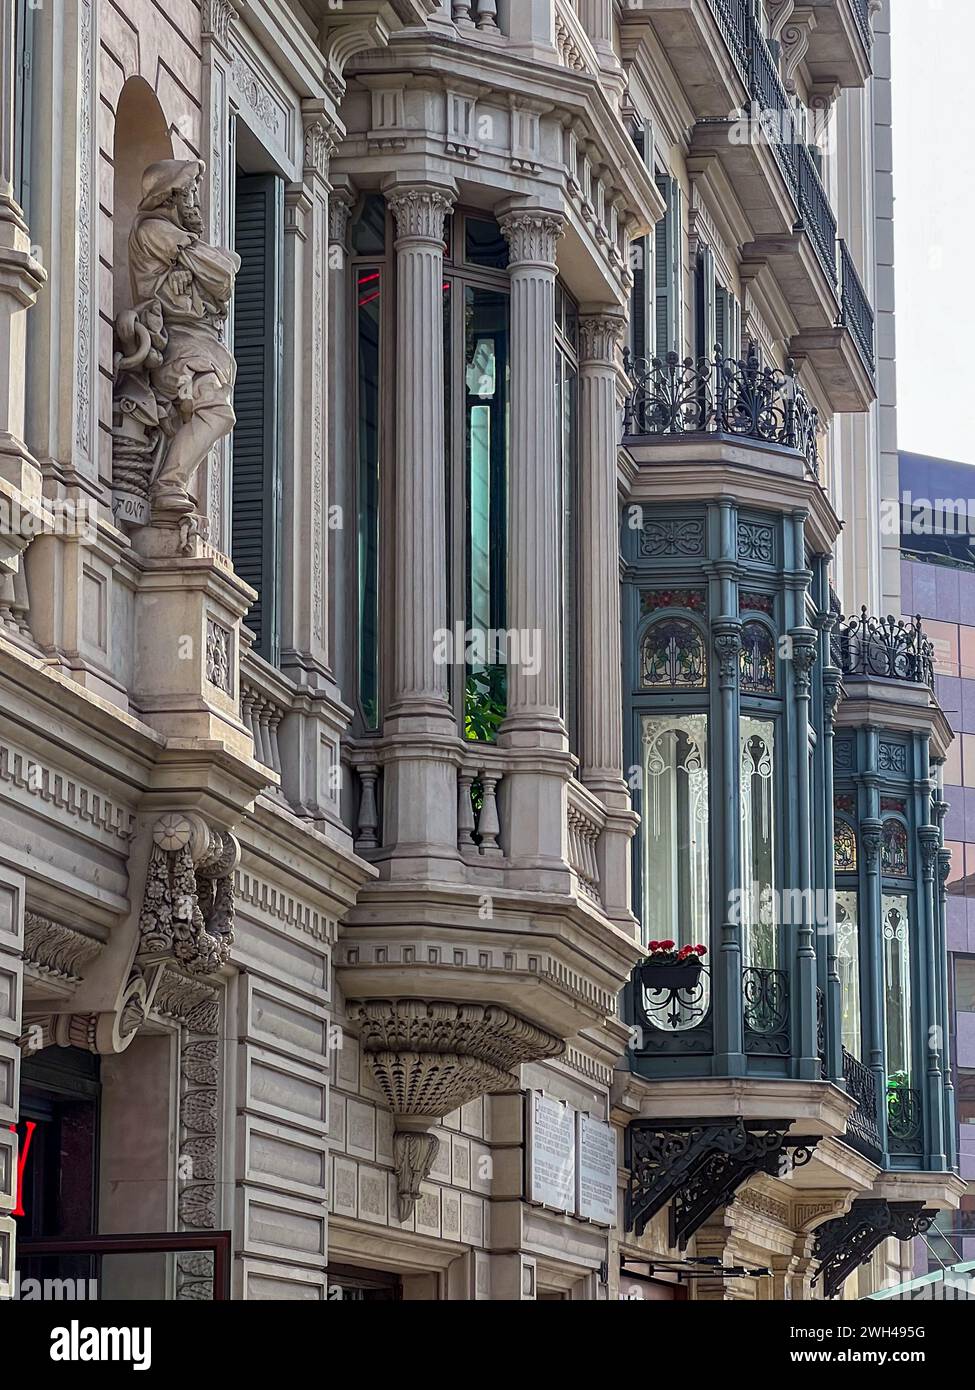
<point x="161" y="179"/>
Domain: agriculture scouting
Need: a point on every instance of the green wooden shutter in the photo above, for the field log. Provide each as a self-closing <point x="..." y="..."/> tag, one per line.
<point x="661" y="277"/>
<point x="668" y="317"/>
<point x="257" y="438"/>
<point x="706" y="306"/>
<point x="721" y="320"/>
<point x="23" y="101"/>
<point x="640" y="294"/>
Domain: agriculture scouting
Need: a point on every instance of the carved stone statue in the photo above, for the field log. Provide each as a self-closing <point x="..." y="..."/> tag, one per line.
<point x="174" y="376"/>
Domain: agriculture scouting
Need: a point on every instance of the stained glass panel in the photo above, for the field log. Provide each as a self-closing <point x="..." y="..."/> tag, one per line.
<point x="673" y="654"/>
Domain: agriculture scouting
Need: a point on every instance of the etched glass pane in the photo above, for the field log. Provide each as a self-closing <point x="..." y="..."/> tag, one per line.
<point x="848" y="968"/>
<point x="897" y="989"/>
<point x="676" y="879"/>
<point x="759" y="931"/>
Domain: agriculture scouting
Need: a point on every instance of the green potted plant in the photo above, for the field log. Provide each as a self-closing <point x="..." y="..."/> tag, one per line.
<point x="669" y="967"/>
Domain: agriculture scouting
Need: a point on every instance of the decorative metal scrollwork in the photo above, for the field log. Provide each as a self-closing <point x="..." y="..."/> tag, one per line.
<point x="677" y="1010"/>
<point x="847" y="1242"/>
<point x="765" y="1001"/>
<point x="904" y="1120"/>
<point x="862" y="1128"/>
<point x="722" y="395"/>
<point x="699" y="1166"/>
<point x="886" y="647"/>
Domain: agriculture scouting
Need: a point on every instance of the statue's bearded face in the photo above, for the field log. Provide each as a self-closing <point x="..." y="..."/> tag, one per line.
<point x="188" y="207"/>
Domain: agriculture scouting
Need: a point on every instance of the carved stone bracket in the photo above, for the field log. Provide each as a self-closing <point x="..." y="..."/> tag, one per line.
<point x="847" y="1242"/>
<point x="103" y="1033"/>
<point x="188" y="909"/>
<point x="699" y="1165"/>
<point x="431" y="1057"/>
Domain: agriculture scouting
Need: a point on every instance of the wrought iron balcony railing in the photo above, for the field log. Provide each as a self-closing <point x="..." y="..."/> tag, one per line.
<point x="765" y="1008"/>
<point x="904" y="1121"/>
<point x="725" y="395"/>
<point x="861" y="13"/>
<point x="816" y="215"/>
<point x="889" y="648"/>
<point x="862" y="1127"/>
<point x="856" y="313"/>
<point x="733" y="21"/>
<point x="777" y="113"/>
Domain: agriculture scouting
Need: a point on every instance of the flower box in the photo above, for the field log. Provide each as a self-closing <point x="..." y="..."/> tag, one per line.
<point x="671" y="975"/>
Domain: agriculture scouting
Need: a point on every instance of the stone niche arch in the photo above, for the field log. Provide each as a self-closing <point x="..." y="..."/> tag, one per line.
<point x="141" y="137"/>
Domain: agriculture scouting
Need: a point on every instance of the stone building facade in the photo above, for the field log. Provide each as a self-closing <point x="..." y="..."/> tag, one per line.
<point x="427" y="431"/>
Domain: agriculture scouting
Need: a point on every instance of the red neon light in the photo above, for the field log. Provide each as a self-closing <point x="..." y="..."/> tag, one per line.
<point x="30" y="1126"/>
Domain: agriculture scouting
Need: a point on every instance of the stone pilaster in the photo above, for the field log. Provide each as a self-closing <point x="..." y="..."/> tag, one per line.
<point x="601" y="696"/>
<point x="420" y="782"/>
<point x="217" y="20"/>
<point x="305" y="637"/>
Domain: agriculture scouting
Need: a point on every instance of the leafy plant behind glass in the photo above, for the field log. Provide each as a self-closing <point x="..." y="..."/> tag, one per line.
<point x="485" y="703"/>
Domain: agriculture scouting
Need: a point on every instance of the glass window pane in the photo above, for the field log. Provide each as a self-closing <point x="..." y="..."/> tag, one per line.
<point x="676" y="882"/>
<point x="759" y="932"/>
<point x="486" y="443"/>
<point x="848" y="968"/>
<point x="965" y="984"/>
<point x="369" y="285"/>
<point x="484" y="244"/>
<point x="897" y="988"/>
<point x="368" y="233"/>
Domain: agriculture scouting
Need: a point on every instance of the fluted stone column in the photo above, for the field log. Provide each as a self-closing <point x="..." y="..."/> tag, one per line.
<point x="419" y="688"/>
<point x="420" y="788"/>
<point x="534" y="790"/>
<point x="341" y="454"/>
<point x="534" y="578"/>
<point x="601" y="695"/>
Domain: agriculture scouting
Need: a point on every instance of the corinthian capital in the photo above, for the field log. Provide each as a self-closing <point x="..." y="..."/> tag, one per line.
<point x="321" y="141"/>
<point x="532" y="236"/>
<point x="419" y="211"/>
<point x="600" y="336"/>
<point x="216" y="18"/>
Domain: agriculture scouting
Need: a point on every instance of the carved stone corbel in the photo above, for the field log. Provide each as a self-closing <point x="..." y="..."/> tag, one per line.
<point x="103" y="1033"/>
<point x="431" y="1057"/>
<point x="188" y="908"/>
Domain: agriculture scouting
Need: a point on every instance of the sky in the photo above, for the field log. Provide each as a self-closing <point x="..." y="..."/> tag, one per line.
<point x="934" y="224"/>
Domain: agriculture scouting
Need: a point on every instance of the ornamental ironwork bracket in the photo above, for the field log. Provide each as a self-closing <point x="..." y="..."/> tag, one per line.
<point x="698" y="1166"/>
<point x="847" y="1242"/>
